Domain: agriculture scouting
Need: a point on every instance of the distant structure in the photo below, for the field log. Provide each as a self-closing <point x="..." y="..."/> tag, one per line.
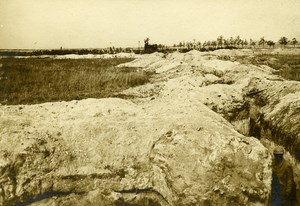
<point x="149" y="48"/>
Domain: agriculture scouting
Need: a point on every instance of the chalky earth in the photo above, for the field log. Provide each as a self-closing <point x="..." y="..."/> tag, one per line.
<point x="192" y="136"/>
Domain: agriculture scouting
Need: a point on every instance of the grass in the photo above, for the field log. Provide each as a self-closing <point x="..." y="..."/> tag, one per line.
<point x="288" y="66"/>
<point x="38" y="80"/>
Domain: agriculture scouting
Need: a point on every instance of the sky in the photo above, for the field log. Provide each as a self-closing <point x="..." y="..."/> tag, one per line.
<point x="51" y="24"/>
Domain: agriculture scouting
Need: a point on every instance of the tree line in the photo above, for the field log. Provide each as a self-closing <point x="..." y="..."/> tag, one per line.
<point x="183" y="46"/>
<point x="236" y="42"/>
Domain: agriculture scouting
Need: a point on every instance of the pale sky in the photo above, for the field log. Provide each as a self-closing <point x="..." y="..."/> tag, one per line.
<point x="35" y="24"/>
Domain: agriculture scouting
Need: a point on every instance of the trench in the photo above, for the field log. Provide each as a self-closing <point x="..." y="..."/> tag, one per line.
<point x="250" y="121"/>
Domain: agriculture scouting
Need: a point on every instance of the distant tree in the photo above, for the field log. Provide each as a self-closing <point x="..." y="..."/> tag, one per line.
<point x="180" y="44"/>
<point x="237" y="41"/>
<point x="194" y="43"/>
<point x="294" y="42"/>
<point x="242" y="43"/>
<point x="208" y="43"/>
<point x="250" y="41"/>
<point x="270" y="43"/>
<point x="231" y="41"/>
<point x="220" y="41"/>
<point x="252" y="44"/>
<point x="161" y="46"/>
<point x="199" y="45"/>
<point x="189" y="45"/>
<point x="262" y="41"/>
<point x="283" y="41"/>
<point x="214" y="44"/>
<point x="246" y="42"/>
<point x="226" y="42"/>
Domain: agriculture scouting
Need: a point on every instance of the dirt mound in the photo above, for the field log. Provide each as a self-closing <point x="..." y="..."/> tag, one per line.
<point x="278" y="107"/>
<point x="96" y="56"/>
<point x="169" y="145"/>
<point x="144" y="60"/>
<point x="85" y="56"/>
<point x="168" y="149"/>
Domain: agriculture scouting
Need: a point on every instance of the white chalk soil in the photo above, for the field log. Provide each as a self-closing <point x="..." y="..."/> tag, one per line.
<point x="171" y="144"/>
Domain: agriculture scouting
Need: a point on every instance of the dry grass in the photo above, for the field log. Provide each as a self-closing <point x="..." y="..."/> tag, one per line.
<point x="288" y="66"/>
<point x="34" y="80"/>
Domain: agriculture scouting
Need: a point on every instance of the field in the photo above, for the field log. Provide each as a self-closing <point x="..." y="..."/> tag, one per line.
<point x="288" y="66"/>
<point x="38" y="80"/>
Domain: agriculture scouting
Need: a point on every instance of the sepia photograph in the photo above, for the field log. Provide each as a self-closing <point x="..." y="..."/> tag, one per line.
<point x="149" y="103"/>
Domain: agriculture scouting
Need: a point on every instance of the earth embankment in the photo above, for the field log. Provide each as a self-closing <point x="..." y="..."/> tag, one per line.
<point x="182" y="139"/>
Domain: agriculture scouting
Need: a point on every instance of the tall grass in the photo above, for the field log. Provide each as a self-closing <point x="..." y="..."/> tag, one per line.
<point x="288" y="66"/>
<point x="35" y="80"/>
